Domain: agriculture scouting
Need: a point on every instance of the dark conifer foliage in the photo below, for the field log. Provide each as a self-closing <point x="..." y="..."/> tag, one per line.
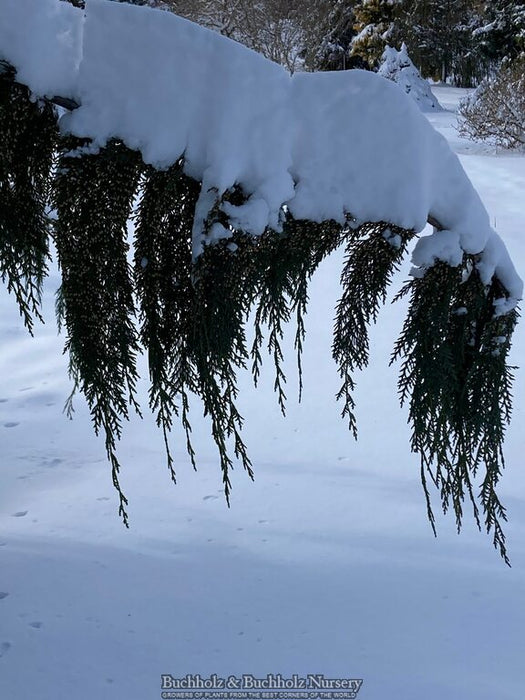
<point x="188" y="315"/>
<point x="502" y="32"/>
<point x="373" y="254"/>
<point x="27" y="146"/>
<point x="457" y="382"/>
<point x="93" y="196"/>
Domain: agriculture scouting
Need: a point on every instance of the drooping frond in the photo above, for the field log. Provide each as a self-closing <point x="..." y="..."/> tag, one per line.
<point x="93" y="196"/>
<point x="373" y="253"/>
<point x="455" y="377"/>
<point x="163" y="269"/>
<point x="28" y="135"/>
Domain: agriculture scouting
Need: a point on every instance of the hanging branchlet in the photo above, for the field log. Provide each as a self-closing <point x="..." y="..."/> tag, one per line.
<point x="28" y="137"/>
<point x="285" y="264"/>
<point x="458" y="385"/>
<point x="373" y="254"/>
<point x="93" y="196"/>
<point x="222" y="287"/>
<point x="428" y="373"/>
<point x="488" y="386"/>
<point x="192" y="314"/>
<point x="163" y="276"/>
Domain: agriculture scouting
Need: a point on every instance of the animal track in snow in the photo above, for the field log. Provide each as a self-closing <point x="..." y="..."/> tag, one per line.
<point x="3" y="595"/>
<point x="11" y="424"/>
<point x="36" y="625"/>
<point x="4" y="648"/>
<point x="20" y="513"/>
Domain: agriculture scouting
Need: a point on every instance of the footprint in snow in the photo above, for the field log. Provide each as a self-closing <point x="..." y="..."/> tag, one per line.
<point x="11" y="425"/>
<point x="52" y="462"/>
<point x="4" y="400"/>
<point x="3" y="595"/>
<point x="208" y="498"/>
<point x="35" y="625"/>
<point x="4" y="648"/>
<point x="20" y="513"/>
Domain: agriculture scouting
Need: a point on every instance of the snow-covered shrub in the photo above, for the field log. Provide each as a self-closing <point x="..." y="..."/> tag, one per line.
<point x="495" y="112"/>
<point x="398" y="67"/>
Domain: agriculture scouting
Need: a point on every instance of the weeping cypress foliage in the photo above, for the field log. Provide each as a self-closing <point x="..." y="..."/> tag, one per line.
<point x="189" y="316"/>
<point x="28" y="136"/>
<point x="455" y="376"/>
<point x="163" y="283"/>
<point x="93" y="195"/>
<point x="372" y="256"/>
<point x="193" y="313"/>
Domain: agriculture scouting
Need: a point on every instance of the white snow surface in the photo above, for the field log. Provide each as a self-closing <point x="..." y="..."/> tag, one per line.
<point x="441" y="245"/>
<point x="327" y="145"/>
<point x="42" y="39"/>
<point x="325" y="564"/>
<point x="398" y="67"/>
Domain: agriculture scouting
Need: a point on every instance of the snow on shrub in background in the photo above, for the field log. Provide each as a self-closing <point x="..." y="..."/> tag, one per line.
<point x="398" y="67"/>
<point x="495" y="112"/>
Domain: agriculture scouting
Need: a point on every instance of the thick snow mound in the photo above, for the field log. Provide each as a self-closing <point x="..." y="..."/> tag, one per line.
<point x="398" y="67"/>
<point x="42" y="39"/>
<point x="328" y="146"/>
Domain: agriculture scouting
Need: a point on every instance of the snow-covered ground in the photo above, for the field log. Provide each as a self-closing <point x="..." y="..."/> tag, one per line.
<point x="326" y="564"/>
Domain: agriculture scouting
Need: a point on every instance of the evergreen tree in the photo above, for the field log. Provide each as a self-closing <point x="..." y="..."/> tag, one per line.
<point x="375" y="27"/>
<point x="333" y="51"/>
<point x="501" y="34"/>
<point x="439" y="36"/>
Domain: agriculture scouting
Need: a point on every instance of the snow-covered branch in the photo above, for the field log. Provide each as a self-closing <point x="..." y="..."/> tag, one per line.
<point x="242" y="178"/>
<point x="328" y="146"/>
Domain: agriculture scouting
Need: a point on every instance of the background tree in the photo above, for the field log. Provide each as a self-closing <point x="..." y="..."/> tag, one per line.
<point x="458" y="41"/>
<point x="330" y="48"/>
<point x="275" y="28"/>
<point x="375" y="27"/>
<point x="501" y="34"/>
<point x="439" y="37"/>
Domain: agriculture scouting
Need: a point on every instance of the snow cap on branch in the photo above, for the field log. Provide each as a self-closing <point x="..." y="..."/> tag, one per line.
<point x="42" y="39"/>
<point x="329" y="146"/>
